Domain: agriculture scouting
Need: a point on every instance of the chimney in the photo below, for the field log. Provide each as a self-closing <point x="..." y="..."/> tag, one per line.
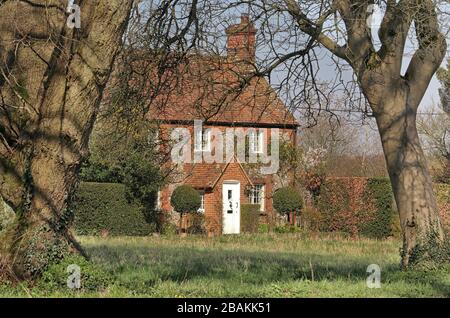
<point x="241" y="42"/>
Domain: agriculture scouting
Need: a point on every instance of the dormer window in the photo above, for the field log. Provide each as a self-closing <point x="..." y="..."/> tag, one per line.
<point x="256" y="139"/>
<point x="202" y="140"/>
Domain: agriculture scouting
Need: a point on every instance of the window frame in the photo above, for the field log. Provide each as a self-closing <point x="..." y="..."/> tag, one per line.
<point x="202" y="140"/>
<point x="257" y="194"/>
<point x="257" y="141"/>
<point x="202" y="202"/>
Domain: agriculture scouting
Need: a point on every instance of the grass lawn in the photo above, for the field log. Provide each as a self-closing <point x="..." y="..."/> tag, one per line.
<point x="263" y="265"/>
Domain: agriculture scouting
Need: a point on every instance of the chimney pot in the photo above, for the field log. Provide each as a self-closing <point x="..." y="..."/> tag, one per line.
<point x="241" y="43"/>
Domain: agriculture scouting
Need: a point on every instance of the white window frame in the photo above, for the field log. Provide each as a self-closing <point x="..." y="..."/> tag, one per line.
<point x="198" y="140"/>
<point x="202" y="202"/>
<point x="202" y="140"/>
<point x="257" y="193"/>
<point x="256" y="141"/>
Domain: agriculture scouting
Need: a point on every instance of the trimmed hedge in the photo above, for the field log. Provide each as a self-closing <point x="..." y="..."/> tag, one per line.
<point x="357" y="206"/>
<point x="100" y="207"/>
<point x="250" y="218"/>
<point x="365" y="206"/>
<point x="382" y="224"/>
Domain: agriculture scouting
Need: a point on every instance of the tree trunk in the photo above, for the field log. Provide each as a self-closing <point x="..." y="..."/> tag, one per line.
<point x="423" y="235"/>
<point x="51" y="83"/>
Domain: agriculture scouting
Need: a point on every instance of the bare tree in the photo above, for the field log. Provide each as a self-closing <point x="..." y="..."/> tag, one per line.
<point x="443" y="74"/>
<point x="434" y="131"/>
<point x="51" y="83"/>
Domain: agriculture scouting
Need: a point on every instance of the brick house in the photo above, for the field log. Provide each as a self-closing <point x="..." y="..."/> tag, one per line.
<point x="212" y="92"/>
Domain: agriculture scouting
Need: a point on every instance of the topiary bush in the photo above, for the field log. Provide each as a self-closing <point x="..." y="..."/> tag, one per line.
<point x="103" y="207"/>
<point x="250" y="218"/>
<point x="185" y="199"/>
<point x="287" y="200"/>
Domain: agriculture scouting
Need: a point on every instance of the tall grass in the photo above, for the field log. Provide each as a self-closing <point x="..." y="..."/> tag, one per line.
<point x="264" y="265"/>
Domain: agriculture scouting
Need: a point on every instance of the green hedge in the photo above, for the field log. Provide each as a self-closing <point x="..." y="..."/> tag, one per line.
<point x="250" y="218"/>
<point x="103" y="207"/>
<point x="358" y="206"/>
<point x="382" y="225"/>
<point x="365" y="206"/>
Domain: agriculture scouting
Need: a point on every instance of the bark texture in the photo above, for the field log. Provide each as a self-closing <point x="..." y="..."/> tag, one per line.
<point x="51" y="83"/>
<point x="411" y="182"/>
<point x="394" y="99"/>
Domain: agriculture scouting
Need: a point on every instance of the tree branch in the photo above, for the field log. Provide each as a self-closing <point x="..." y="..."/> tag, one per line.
<point x="315" y="29"/>
<point x="428" y="57"/>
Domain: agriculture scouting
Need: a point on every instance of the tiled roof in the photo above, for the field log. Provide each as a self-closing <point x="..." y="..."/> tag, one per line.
<point x="203" y="175"/>
<point x="214" y="90"/>
<point x="206" y="175"/>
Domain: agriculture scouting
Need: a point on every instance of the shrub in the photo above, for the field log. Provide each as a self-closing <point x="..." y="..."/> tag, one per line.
<point x="381" y="225"/>
<point x="357" y="206"/>
<point x="287" y="200"/>
<point x="312" y="219"/>
<point x="92" y="277"/>
<point x="94" y="171"/>
<point x="250" y="218"/>
<point x="142" y="180"/>
<point x="185" y="199"/>
<point x="103" y="206"/>
<point x="365" y="206"/>
<point x="263" y="228"/>
<point x="196" y="223"/>
<point x="169" y="229"/>
<point x="283" y="229"/>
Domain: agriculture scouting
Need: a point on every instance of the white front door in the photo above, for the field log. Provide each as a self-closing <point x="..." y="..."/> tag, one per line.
<point x="231" y="208"/>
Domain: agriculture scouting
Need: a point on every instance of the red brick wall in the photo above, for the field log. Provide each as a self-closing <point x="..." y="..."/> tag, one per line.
<point x="213" y="197"/>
